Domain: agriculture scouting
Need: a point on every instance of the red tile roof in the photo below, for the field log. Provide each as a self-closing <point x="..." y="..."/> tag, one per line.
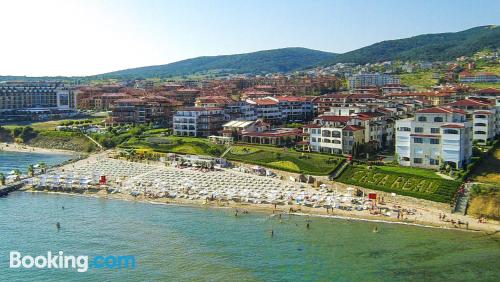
<point x="292" y="99"/>
<point x="353" y="128"/>
<point x="440" y="110"/>
<point x="265" y="102"/>
<point x="335" y="118"/>
<point x="489" y="91"/>
<point x="469" y="103"/>
<point x="199" y="109"/>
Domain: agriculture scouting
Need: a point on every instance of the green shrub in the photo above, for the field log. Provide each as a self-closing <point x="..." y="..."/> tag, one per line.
<point x="439" y="190"/>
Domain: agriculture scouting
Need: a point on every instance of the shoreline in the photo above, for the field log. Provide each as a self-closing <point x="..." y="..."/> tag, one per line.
<point x="145" y="181"/>
<point x="22" y="148"/>
<point x="260" y="208"/>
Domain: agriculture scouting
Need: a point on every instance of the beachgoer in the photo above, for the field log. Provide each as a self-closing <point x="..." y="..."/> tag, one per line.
<point x="272" y="233"/>
<point x="307" y="225"/>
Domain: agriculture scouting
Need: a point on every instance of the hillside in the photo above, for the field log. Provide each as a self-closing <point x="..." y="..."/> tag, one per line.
<point x="427" y="47"/>
<point x="269" y="61"/>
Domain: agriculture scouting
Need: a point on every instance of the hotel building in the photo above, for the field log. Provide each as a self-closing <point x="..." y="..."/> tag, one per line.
<point x="433" y="136"/>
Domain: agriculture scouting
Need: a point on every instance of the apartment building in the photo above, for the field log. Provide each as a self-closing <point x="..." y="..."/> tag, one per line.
<point x="295" y="109"/>
<point x="267" y="109"/>
<point x="128" y="111"/>
<point x="198" y="121"/>
<point x="213" y="101"/>
<point x="324" y="103"/>
<point x="147" y="109"/>
<point x="104" y="101"/>
<point x="433" y="136"/>
<point x="371" y="79"/>
<point x="467" y="77"/>
<point x="332" y="135"/>
<point x="485" y="117"/>
<point x="32" y="96"/>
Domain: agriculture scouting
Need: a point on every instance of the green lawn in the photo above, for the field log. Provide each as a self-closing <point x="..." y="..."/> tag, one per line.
<point x="417" y="185"/>
<point x="411" y="170"/>
<point x="174" y="144"/>
<point x="420" y="80"/>
<point x="285" y="159"/>
<point x="47" y="125"/>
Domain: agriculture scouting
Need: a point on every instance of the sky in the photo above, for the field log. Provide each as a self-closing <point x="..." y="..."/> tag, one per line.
<point x="74" y="38"/>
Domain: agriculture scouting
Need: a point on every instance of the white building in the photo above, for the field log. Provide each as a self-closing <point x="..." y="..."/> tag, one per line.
<point x="332" y="135"/>
<point x="433" y="136"/>
<point x="361" y="80"/>
<point x="198" y="121"/>
<point x="485" y="117"/>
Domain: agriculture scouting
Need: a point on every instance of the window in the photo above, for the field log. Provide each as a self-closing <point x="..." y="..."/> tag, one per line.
<point x="326" y="133"/>
<point x="336" y="134"/>
<point x="434" y="130"/>
<point x="433" y="162"/>
<point x="336" y="141"/>
<point x="419" y="129"/>
<point x="418" y="140"/>
<point x="450" y="131"/>
<point x="479" y="124"/>
<point x="422" y="119"/>
<point x="326" y="140"/>
<point x="404" y="129"/>
<point x="434" y="141"/>
<point x="479" y="132"/>
<point x="406" y="159"/>
<point x="480" y="116"/>
<point x="313" y="139"/>
<point x="438" y="119"/>
<point x="417" y="160"/>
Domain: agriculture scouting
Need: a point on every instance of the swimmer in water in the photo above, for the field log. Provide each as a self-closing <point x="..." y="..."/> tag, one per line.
<point x="375" y="230"/>
<point x="58" y="225"/>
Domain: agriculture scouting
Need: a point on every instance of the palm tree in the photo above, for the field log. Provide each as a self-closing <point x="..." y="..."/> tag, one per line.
<point x="43" y="167"/>
<point x="31" y="171"/>
<point x="2" y="179"/>
<point x="17" y="173"/>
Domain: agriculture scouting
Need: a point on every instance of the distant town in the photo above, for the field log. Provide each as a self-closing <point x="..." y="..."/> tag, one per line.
<point x="375" y="114"/>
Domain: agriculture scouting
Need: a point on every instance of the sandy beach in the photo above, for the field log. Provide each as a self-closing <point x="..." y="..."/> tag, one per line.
<point x="156" y="182"/>
<point x="13" y="147"/>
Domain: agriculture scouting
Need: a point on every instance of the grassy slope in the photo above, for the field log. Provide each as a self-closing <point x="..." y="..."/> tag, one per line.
<point x="418" y="183"/>
<point x="174" y="144"/>
<point x="489" y="172"/>
<point x="284" y="159"/>
<point x="420" y="80"/>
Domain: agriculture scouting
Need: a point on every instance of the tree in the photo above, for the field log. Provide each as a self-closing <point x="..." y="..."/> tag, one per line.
<point x="17" y="173"/>
<point x="43" y="167"/>
<point x="31" y="171"/>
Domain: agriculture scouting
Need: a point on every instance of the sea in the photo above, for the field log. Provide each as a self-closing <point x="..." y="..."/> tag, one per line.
<point x="184" y="243"/>
<point x="21" y="160"/>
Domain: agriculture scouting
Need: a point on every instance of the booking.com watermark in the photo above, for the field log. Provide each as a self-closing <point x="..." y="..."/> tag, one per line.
<point x="80" y="263"/>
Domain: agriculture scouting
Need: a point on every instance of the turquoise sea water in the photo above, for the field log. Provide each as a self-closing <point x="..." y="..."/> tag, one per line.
<point x="21" y="160"/>
<point x="175" y="243"/>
